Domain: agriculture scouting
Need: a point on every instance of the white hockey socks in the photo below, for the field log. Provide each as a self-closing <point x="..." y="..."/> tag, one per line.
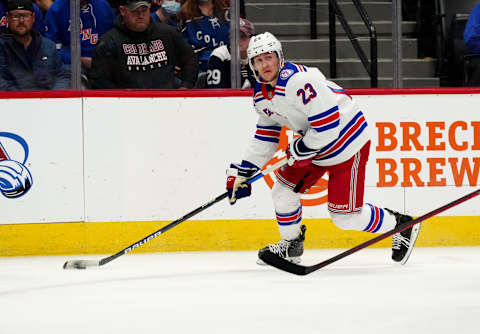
<point x="372" y="219"/>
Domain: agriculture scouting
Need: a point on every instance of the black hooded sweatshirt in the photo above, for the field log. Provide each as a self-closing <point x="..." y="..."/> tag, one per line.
<point x="128" y="59"/>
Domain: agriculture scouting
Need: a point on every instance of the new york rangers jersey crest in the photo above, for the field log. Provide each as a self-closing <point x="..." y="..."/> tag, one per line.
<point x="286" y="73"/>
<point x="319" y="110"/>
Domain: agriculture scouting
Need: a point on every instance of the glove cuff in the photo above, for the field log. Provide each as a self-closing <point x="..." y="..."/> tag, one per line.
<point x="246" y="169"/>
<point x="301" y="150"/>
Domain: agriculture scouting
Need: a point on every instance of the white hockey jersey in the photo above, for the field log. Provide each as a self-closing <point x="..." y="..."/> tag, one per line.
<point x="315" y="108"/>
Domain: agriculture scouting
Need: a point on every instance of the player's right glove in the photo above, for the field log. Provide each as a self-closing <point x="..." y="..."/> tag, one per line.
<point x="237" y="176"/>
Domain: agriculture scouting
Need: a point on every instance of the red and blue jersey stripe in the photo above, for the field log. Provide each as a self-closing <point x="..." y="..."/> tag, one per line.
<point x="268" y="133"/>
<point x="280" y="90"/>
<point x="340" y="91"/>
<point x="258" y="97"/>
<point x="300" y="68"/>
<point x="347" y="135"/>
<point x="325" y="120"/>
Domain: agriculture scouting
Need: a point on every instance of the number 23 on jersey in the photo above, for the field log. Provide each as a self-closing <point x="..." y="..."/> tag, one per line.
<point x="307" y="93"/>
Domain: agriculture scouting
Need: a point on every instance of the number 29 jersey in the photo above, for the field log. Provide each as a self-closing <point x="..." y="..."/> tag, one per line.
<point x="319" y="110"/>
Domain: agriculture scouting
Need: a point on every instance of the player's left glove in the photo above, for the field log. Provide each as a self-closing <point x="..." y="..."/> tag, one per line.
<point x="237" y="176"/>
<point x="299" y="155"/>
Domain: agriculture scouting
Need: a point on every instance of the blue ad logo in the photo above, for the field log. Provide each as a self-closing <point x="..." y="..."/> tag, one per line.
<point x="15" y="178"/>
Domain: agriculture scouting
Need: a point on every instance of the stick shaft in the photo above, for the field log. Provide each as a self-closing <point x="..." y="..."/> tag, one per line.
<point x="395" y="231"/>
<point x="163" y="229"/>
<point x="187" y="216"/>
<point x="297" y="269"/>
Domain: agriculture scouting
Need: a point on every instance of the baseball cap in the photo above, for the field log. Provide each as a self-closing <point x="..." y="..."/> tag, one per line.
<point x="246" y="27"/>
<point x="134" y="4"/>
<point x="20" y="4"/>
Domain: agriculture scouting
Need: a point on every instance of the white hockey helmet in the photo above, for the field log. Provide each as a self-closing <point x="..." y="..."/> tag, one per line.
<point x="263" y="43"/>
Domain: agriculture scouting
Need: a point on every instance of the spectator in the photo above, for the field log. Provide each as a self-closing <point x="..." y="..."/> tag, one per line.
<point x="141" y="53"/>
<point x="28" y="61"/>
<point x="168" y="13"/>
<point x="44" y="5"/>
<point x="39" y="25"/>
<point x="206" y="27"/>
<point x="218" y="69"/>
<point x="471" y="36"/>
<point x="96" y="18"/>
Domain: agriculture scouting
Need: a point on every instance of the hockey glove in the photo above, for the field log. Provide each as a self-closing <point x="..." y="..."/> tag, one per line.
<point x="237" y="175"/>
<point x="299" y="155"/>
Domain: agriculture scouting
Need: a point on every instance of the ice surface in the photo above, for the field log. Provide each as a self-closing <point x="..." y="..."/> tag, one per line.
<point x="437" y="291"/>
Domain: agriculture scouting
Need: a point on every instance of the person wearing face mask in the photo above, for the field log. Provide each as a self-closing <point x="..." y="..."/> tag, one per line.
<point x="206" y="27"/>
<point x="167" y="13"/>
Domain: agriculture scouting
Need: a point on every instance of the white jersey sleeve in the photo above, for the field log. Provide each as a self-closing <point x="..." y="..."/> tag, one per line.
<point x="311" y="94"/>
<point x="265" y="141"/>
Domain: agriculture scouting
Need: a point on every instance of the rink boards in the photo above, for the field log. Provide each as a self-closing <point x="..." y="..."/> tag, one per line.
<point x="109" y="168"/>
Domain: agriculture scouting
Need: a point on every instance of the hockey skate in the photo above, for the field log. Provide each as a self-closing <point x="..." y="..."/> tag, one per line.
<point x="290" y="250"/>
<point x="403" y="242"/>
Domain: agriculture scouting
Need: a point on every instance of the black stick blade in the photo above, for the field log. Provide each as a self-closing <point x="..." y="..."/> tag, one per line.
<point x="282" y="264"/>
<point x="297" y="269"/>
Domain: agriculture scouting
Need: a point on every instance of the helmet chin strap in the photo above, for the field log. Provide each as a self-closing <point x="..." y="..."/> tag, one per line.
<point x="271" y="82"/>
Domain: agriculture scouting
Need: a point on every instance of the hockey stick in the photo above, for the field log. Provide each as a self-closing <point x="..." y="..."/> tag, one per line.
<point x="297" y="269"/>
<point x="83" y="264"/>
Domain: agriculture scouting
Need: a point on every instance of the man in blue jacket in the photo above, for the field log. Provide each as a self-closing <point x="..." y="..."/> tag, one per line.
<point x="28" y="61"/>
<point x="39" y="25"/>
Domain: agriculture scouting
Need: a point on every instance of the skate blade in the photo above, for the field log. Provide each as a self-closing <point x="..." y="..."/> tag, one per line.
<point x="295" y="260"/>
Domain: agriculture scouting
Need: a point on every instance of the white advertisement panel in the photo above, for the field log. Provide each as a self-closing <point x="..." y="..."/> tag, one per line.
<point x="159" y="158"/>
<point x="41" y="160"/>
<point x="426" y="147"/>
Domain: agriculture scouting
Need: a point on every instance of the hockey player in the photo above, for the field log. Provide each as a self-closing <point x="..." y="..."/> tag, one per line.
<point x="333" y="138"/>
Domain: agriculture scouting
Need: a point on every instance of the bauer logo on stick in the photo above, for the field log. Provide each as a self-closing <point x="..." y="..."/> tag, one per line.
<point x="15" y="178"/>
